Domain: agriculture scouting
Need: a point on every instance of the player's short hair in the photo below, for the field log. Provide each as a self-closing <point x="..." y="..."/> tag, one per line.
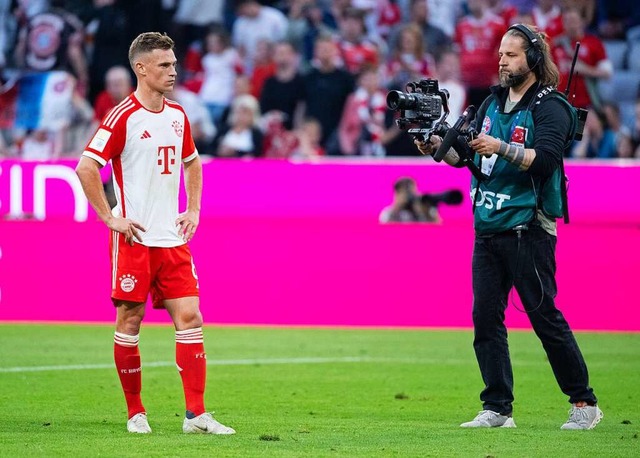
<point x="147" y="42"/>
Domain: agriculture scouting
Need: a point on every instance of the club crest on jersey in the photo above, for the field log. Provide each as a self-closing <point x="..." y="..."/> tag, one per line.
<point x="486" y="125"/>
<point x="518" y="136"/>
<point x="177" y="128"/>
<point x="128" y="283"/>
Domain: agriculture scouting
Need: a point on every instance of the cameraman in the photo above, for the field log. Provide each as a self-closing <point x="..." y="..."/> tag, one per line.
<point x="408" y="206"/>
<point x="526" y="126"/>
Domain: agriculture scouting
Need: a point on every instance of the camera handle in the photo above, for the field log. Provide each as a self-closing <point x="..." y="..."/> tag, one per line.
<point x="451" y="138"/>
<point x="457" y="137"/>
<point x="467" y="160"/>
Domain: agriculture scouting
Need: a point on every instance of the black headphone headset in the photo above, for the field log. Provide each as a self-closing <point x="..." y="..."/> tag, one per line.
<point x="534" y="51"/>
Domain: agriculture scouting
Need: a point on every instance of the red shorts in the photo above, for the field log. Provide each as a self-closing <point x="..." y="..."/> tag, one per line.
<point x="136" y="271"/>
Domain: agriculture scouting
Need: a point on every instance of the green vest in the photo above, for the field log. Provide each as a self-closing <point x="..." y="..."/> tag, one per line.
<point x="510" y="197"/>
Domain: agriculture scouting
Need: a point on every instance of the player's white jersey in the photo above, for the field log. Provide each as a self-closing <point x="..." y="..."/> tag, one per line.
<point x="146" y="150"/>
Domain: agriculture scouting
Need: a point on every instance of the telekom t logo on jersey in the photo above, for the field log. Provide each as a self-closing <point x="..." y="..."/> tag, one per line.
<point x="166" y="157"/>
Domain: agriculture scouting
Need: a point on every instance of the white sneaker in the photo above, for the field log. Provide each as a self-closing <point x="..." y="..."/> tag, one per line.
<point x="205" y="424"/>
<point x="489" y="419"/>
<point x="586" y="417"/>
<point x="138" y="424"/>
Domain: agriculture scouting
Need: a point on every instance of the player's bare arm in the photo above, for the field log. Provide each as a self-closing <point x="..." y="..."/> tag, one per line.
<point x="189" y="220"/>
<point x="88" y="172"/>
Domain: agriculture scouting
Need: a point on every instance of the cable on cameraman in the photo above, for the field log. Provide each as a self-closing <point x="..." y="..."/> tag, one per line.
<point x="515" y="275"/>
<point x="533" y="260"/>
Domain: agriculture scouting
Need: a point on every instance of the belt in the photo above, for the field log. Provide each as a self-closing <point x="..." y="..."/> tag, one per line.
<point x="516" y="230"/>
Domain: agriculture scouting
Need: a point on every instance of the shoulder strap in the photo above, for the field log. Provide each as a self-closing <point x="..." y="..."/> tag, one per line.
<point x="482" y="111"/>
<point x="551" y="91"/>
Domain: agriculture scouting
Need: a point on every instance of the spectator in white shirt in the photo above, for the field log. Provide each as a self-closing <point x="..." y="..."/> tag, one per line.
<point x="221" y="65"/>
<point x="255" y="23"/>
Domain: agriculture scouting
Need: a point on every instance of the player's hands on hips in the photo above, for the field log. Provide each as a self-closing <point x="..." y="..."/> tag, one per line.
<point x="485" y="145"/>
<point x="128" y="228"/>
<point x="428" y="147"/>
<point x="187" y="224"/>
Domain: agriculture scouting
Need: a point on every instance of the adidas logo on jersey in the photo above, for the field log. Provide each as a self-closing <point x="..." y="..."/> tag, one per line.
<point x="145" y="134"/>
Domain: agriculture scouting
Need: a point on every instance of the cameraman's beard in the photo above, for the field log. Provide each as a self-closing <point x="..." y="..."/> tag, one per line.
<point x="511" y="80"/>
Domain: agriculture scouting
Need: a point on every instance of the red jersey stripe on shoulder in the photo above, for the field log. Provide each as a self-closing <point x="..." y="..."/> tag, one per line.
<point x="115" y="109"/>
<point x="117" y="112"/>
<point x="174" y="104"/>
<point x="125" y="111"/>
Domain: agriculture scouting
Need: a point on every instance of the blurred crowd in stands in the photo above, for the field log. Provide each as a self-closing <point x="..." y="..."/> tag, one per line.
<point x="302" y="78"/>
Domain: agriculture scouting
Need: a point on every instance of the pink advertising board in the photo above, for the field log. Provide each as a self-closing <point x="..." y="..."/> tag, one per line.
<point x="598" y="191"/>
<point x="299" y="244"/>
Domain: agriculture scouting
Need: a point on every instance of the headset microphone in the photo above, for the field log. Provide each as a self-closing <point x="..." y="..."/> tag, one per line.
<point x="527" y="71"/>
<point x="518" y="75"/>
<point x="513" y="76"/>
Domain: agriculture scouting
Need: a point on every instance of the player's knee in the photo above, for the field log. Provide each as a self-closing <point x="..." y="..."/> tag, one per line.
<point x="189" y="319"/>
<point x="129" y="319"/>
<point x="130" y="325"/>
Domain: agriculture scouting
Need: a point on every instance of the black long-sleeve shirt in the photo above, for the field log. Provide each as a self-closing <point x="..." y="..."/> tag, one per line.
<point x="552" y="122"/>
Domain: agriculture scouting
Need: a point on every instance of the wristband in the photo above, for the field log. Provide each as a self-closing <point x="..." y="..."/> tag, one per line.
<point x="502" y="150"/>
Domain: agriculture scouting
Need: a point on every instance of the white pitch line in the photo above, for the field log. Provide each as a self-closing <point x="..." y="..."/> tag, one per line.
<point x="237" y="362"/>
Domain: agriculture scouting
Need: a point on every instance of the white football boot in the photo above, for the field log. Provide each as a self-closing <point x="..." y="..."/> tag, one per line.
<point x="205" y="424"/>
<point x="138" y="424"/>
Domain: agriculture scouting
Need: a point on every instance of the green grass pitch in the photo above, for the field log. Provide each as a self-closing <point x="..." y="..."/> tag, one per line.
<point x="306" y="392"/>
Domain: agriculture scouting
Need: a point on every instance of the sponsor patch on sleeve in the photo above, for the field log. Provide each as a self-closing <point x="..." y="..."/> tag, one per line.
<point x="99" y="140"/>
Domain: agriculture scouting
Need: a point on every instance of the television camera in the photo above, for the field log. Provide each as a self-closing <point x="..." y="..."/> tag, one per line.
<point x="424" y="108"/>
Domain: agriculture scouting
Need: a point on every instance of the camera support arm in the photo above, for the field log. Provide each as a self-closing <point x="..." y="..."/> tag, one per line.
<point x="457" y="137"/>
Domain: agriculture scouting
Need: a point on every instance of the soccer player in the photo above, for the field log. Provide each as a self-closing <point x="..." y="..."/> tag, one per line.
<point x="147" y="137"/>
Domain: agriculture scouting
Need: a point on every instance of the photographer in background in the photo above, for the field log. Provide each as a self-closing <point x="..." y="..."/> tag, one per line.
<point x="526" y="126"/>
<point x="408" y="205"/>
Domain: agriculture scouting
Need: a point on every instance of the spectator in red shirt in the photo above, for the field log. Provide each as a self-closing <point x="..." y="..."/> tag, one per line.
<point x="387" y="15"/>
<point x="504" y="10"/>
<point x="408" y="60"/>
<point x="362" y="124"/>
<point x="263" y="66"/>
<point x="355" y="49"/>
<point x="547" y="17"/>
<point x="478" y="36"/>
<point x="592" y="65"/>
<point x="117" y="88"/>
<point x="308" y="134"/>
<point x="8" y="99"/>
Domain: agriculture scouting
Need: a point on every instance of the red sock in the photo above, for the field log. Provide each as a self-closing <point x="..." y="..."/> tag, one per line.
<point x="127" y="358"/>
<point x="192" y="365"/>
